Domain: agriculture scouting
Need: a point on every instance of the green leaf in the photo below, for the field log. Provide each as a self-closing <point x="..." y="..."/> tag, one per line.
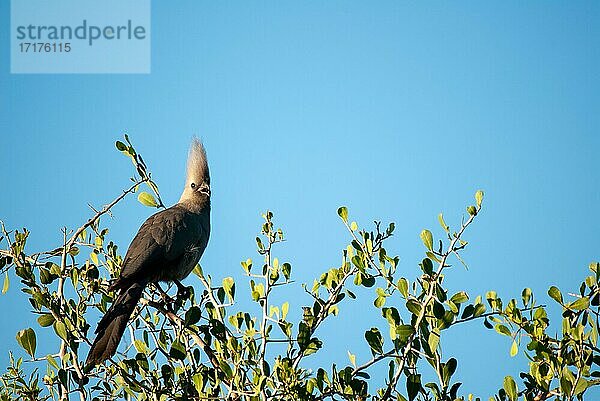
<point x="284" y="310"/>
<point x="413" y="386"/>
<point x="121" y="146"/>
<point x="554" y="292"/>
<point x="94" y="258"/>
<point x="62" y="376"/>
<point x="177" y="351"/>
<point x="567" y="380"/>
<point x="526" y="295"/>
<point x="472" y="210"/>
<point x="313" y="346"/>
<point x="502" y="329"/>
<point x="438" y="310"/>
<point x="427" y="239"/>
<point x="375" y="340"/>
<point x="479" y="310"/>
<point x="45" y="276"/>
<point x="286" y="269"/>
<point x="479" y="197"/>
<point x="581" y="386"/>
<point x="6" y="284"/>
<point x="391" y="315"/>
<point x="352" y="358"/>
<point x="229" y="287"/>
<point x="427" y="266"/>
<point x="26" y="339"/>
<point x="226" y="369"/>
<point x="460" y="297"/>
<point x="404" y="331"/>
<point x="580" y="304"/>
<point x="52" y="362"/>
<point x="147" y="199"/>
<point x="303" y="336"/>
<point x="246" y="266"/>
<point x="448" y="370"/>
<point x="45" y="320"/>
<point x="198" y="381"/>
<point x="192" y="316"/>
<point x="511" y="388"/>
<point x="514" y="348"/>
<point x="467" y="312"/>
<point x="140" y="346"/>
<point x="258" y="291"/>
<point x="432" y="256"/>
<point x="75" y="277"/>
<point x="61" y="330"/>
<point x="343" y="213"/>
<point x="413" y="306"/>
<point x="403" y="287"/>
<point x="433" y="340"/>
<point x="443" y="223"/>
<point x="274" y="310"/>
<point x="435" y="390"/>
<point x="379" y="301"/>
<point x="368" y="281"/>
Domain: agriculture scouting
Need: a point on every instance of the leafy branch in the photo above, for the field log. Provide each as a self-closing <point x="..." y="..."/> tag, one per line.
<point x="197" y="343"/>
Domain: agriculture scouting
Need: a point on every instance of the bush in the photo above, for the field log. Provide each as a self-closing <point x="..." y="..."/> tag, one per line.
<point x="197" y="345"/>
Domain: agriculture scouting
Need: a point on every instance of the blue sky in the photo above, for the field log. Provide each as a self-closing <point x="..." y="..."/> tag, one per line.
<point x="397" y="110"/>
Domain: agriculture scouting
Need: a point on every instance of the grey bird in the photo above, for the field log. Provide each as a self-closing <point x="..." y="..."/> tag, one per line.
<point x="167" y="247"/>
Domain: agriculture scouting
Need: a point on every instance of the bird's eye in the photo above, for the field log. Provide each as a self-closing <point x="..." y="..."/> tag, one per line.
<point x="193" y="186"/>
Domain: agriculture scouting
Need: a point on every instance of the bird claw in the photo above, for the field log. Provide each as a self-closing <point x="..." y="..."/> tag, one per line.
<point x="183" y="291"/>
<point x="166" y="298"/>
<point x="167" y="301"/>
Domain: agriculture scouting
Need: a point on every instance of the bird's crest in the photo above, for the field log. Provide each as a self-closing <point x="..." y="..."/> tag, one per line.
<point x="197" y="164"/>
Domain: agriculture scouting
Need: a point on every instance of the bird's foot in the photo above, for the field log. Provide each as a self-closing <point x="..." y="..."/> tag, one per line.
<point x="183" y="292"/>
<point x="167" y="300"/>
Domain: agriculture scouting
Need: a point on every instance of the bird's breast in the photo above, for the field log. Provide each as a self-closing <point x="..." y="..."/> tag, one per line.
<point x="187" y="263"/>
<point x="197" y="234"/>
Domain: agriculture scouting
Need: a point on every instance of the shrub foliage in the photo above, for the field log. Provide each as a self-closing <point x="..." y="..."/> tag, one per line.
<point x="197" y="344"/>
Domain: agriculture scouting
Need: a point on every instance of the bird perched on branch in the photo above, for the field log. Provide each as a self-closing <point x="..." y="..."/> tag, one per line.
<point x="167" y="247"/>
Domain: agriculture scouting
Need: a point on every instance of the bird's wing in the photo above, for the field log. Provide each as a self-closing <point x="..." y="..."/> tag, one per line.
<point x="160" y="241"/>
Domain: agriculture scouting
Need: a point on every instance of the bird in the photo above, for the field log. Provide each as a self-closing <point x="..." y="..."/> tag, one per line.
<point x="166" y="248"/>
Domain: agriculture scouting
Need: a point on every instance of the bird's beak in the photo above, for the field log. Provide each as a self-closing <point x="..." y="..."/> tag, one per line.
<point x="204" y="189"/>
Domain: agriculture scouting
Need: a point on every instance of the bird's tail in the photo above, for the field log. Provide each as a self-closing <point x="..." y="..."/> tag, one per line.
<point x="111" y="327"/>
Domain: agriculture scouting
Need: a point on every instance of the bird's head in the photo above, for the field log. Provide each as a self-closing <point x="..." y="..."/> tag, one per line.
<point x="197" y="182"/>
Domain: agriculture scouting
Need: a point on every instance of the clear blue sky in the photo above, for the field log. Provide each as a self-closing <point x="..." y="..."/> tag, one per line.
<point x="397" y="110"/>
